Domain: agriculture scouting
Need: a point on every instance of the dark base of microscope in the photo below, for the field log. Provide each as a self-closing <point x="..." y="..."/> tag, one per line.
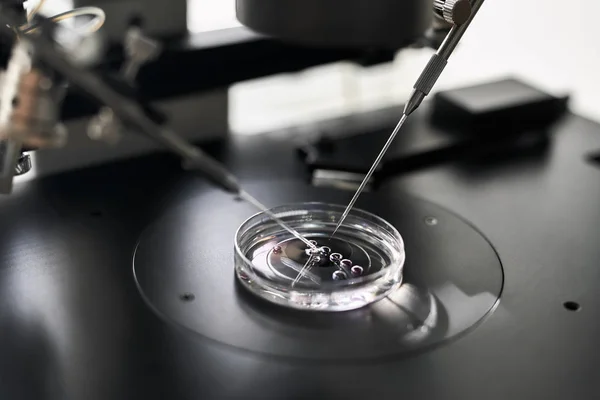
<point x="511" y="122"/>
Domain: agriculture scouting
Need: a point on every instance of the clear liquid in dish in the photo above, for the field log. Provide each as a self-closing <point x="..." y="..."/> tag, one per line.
<point x="360" y="264"/>
<point x="339" y="260"/>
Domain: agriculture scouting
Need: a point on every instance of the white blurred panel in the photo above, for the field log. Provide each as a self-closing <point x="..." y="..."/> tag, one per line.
<point x="208" y="15"/>
<point x="549" y="43"/>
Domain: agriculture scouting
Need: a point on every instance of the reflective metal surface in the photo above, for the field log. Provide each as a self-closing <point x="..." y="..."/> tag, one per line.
<point x="23" y="165"/>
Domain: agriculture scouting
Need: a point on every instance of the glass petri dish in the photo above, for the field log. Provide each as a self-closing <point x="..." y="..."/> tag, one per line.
<point x="360" y="265"/>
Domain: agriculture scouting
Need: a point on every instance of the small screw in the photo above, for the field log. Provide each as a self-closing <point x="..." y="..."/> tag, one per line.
<point x="187" y="297"/>
<point x="346" y="263"/>
<point x="431" y="221"/>
<point x="325" y="250"/>
<point x="277" y="249"/>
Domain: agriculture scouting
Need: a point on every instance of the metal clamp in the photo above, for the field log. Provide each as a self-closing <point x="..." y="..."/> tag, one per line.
<point x="139" y="50"/>
<point x="24" y="165"/>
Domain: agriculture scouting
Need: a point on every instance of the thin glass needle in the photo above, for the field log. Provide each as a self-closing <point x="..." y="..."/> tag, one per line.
<point x="301" y="273"/>
<point x="250" y="199"/>
<point x="288" y="262"/>
<point x="370" y="173"/>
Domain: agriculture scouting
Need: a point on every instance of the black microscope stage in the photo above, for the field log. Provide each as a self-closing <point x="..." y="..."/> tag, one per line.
<point x="499" y="297"/>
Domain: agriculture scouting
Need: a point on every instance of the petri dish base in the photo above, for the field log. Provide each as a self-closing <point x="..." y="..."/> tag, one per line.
<point x="360" y="265"/>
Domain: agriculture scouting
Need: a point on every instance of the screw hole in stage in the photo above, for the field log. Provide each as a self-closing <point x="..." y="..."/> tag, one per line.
<point x="572" y="306"/>
<point x="137" y="21"/>
<point x="187" y="297"/>
<point x="431" y="221"/>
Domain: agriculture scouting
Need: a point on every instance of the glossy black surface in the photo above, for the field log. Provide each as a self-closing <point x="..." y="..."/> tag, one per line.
<point x="73" y="325"/>
<point x="482" y="121"/>
<point x="452" y="278"/>
<point x="497" y="106"/>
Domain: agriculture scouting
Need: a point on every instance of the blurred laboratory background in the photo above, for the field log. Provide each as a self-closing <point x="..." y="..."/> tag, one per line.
<point x="550" y="44"/>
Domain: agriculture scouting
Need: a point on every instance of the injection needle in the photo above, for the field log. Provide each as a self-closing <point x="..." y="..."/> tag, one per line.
<point x="370" y="173"/>
<point x="303" y="270"/>
<point x="250" y="199"/>
<point x="423" y="86"/>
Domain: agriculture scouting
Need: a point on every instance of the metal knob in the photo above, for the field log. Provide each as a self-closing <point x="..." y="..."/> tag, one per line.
<point x="139" y="50"/>
<point x="455" y="12"/>
<point x="105" y="126"/>
<point x="23" y="165"/>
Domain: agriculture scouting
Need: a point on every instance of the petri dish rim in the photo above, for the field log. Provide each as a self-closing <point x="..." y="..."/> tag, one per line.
<point x="356" y="212"/>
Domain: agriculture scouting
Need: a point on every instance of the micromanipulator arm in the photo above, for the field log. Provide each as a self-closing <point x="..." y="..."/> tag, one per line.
<point x="461" y="14"/>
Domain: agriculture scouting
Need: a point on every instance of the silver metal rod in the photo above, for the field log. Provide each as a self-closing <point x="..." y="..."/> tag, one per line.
<point x="365" y="181"/>
<point x="438" y="62"/>
<point x="422" y="87"/>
